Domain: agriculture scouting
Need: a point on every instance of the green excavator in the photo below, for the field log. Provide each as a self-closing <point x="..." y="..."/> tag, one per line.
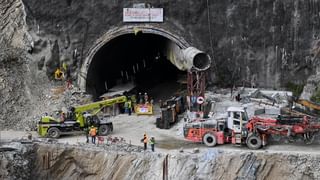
<point x="78" y="119"/>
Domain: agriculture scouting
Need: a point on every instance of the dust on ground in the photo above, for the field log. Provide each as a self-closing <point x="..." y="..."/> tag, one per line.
<point x="131" y="129"/>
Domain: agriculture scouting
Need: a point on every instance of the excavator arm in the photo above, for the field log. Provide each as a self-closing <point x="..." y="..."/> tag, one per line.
<point x="95" y="107"/>
<point x="308" y="104"/>
<point x="100" y="104"/>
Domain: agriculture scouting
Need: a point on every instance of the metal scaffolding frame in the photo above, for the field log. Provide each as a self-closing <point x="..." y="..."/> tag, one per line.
<point x="196" y="83"/>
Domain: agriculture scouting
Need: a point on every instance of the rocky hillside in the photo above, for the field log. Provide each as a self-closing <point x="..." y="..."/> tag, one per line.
<point x="13" y="28"/>
<point x="252" y="42"/>
<point x="15" y="100"/>
<point x="258" y="43"/>
<point x="129" y="162"/>
<point x="25" y="90"/>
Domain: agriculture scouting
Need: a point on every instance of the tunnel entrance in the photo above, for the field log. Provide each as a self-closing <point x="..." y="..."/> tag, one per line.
<point x="134" y="58"/>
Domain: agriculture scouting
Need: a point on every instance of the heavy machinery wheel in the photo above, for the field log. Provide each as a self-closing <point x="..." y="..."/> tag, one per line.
<point x="254" y="142"/>
<point x="54" y="132"/>
<point x="309" y="137"/>
<point x="209" y="140"/>
<point x="104" y="130"/>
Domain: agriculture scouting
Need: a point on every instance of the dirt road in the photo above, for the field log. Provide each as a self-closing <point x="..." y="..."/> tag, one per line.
<point x="131" y="129"/>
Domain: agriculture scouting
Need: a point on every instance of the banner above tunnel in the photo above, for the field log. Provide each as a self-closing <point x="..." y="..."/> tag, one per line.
<point x="142" y="14"/>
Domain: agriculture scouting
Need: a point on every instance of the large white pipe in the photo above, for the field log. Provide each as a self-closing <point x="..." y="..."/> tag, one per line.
<point x="187" y="59"/>
<point x="196" y="59"/>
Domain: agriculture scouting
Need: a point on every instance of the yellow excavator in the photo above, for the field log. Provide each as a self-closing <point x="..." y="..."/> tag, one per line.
<point x="309" y="104"/>
<point x="78" y="119"/>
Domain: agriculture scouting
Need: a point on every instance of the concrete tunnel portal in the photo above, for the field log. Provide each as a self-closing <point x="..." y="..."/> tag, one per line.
<point x="151" y="61"/>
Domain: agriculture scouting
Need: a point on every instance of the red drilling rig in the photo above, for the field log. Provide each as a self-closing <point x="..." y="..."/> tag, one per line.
<point x="237" y="129"/>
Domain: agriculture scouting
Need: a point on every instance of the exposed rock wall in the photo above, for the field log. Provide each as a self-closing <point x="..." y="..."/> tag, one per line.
<point x="70" y="162"/>
<point x="253" y="42"/>
<point x="13" y="29"/>
<point x="16" y="163"/>
<point x="23" y="84"/>
<point x="15" y="102"/>
<point x="263" y="43"/>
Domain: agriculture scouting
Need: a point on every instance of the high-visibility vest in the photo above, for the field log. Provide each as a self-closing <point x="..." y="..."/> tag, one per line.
<point x="93" y="131"/>
<point x="64" y="66"/>
<point x="152" y="141"/>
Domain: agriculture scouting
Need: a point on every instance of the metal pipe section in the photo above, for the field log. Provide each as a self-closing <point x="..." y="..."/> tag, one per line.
<point x="196" y="59"/>
<point x="188" y="59"/>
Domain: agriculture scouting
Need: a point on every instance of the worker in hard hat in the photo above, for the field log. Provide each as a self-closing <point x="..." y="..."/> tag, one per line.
<point x="152" y="142"/>
<point x="145" y="141"/>
<point x="146" y="98"/>
<point x="87" y="131"/>
<point x="129" y="107"/>
<point x="93" y="133"/>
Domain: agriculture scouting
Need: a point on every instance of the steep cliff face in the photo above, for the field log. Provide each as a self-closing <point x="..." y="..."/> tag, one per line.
<point x="69" y="162"/>
<point x="257" y="43"/>
<point x="23" y="84"/>
<point x="13" y="29"/>
<point x="261" y="43"/>
<point x="14" y="42"/>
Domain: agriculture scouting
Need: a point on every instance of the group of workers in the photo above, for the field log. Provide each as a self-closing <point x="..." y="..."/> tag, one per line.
<point x="92" y="132"/>
<point x="132" y="101"/>
<point x="144" y="140"/>
<point x="143" y="99"/>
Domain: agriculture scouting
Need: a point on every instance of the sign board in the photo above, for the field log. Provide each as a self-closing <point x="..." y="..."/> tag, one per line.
<point x="142" y="14"/>
<point x="200" y="100"/>
<point x="143" y="109"/>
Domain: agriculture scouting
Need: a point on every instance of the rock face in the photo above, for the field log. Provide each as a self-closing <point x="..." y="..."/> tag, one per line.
<point x="13" y="29"/>
<point x="16" y="163"/>
<point x="257" y="43"/>
<point x="261" y="43"/>
<point x="69" y="162"/>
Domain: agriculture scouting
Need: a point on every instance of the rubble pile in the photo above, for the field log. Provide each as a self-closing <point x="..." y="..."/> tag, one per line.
<point x="114" y="146"/>
<point x="257" y="101"/>
<point x="15" y="103"/>
<point x="16" y="162"/>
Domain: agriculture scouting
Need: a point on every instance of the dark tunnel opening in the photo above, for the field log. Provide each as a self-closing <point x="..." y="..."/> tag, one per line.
<point x="137" y="59"/>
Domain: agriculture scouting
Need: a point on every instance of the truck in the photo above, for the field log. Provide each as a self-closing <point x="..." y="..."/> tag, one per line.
<point x="78" y="119"/>
<point x="255" y="132"/>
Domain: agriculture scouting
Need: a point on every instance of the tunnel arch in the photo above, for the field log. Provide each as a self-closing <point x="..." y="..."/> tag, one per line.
<point x="116" y="32"/>
<point x="174" y="49"/>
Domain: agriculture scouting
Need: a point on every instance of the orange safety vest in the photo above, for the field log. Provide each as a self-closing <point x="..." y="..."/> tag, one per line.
<point x="93" y="131"/>
<point x="145" y="139"/>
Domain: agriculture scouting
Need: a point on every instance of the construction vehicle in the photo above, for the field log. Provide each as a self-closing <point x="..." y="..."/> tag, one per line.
<point x="309" y="104"/>
<point x="78" y="119"/>
<point x="170" y="110"/>
<point x="238" y="129"/>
